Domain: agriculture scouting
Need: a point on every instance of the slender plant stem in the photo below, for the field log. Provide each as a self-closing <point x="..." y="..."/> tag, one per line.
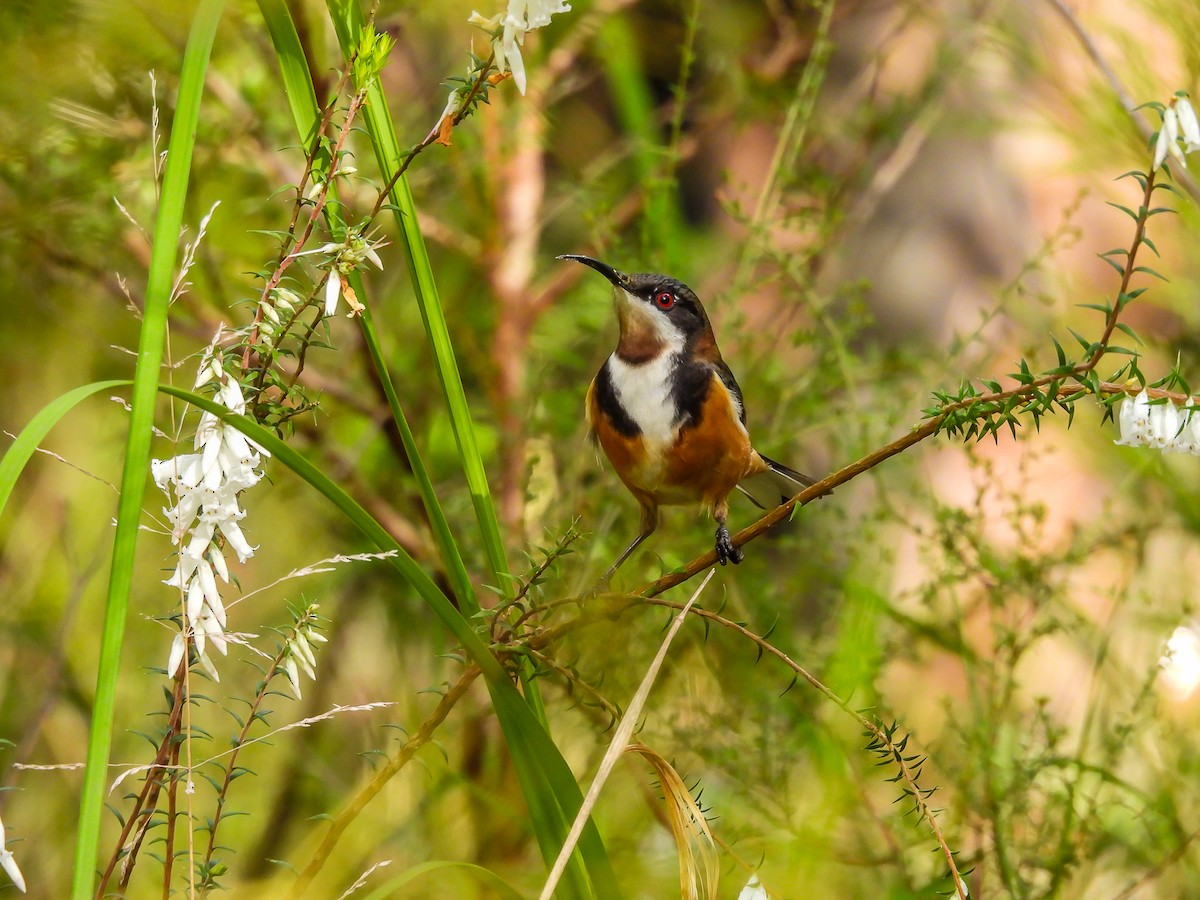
<point x="147" y="799"/>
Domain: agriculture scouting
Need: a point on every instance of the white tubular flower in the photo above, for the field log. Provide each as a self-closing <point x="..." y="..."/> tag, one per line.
<point x="753" y="890"/>
<point x="178" y="648"/>
<point x="9" y="863"/>
<point x="1134" y="421"/>
<point x="1164" y="425"/>
<point x="348" y="256"/>
<point x="333" y="292"/>
<point x="1193" y="429"/>
<point x="1181" y="438"/>
<point x="298" y="652"/>
<point x="1165" y="143"/>
<point x="1189" y="127"/>
<point x="293" y="675"/>
<point x="521" y="17"/>
<point x="1168" y="137"/>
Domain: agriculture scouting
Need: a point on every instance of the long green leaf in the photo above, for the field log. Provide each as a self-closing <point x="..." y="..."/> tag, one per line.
<point x="293" y="66"/>
<point x="302" y="97"/>
<point x="543" y="773"/>
<point x="348" y="22"/>
<point x="17" y="455"/>
<point x="137" y="447"/>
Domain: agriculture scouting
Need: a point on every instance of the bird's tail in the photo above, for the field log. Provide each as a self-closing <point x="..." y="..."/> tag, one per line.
<point x="774" y="485"/>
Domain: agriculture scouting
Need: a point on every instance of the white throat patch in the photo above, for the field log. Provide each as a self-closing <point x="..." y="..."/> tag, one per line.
<point x="644" y="391"/>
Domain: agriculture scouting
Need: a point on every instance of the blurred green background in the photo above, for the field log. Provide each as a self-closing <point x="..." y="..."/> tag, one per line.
<point x="874" y="200"/>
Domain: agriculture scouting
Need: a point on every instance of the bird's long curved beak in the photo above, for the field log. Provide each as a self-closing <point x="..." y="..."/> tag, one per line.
<point x="620" y="279"/>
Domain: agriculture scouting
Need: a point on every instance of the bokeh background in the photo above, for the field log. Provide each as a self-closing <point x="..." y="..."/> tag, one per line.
<point x="875" y="200"/>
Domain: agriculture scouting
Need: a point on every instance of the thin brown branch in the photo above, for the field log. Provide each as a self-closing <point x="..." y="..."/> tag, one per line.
<point x="825" y="486"/>
<point x="463" y="110"/>
<point x="146" y="801"/>
<point x="342" y="821"/>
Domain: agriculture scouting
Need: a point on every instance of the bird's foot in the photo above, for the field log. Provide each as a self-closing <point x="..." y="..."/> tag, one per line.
<point x="726" y="552"/>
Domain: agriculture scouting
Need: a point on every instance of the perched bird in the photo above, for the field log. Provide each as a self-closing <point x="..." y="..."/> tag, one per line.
<point x="668" y="413"/>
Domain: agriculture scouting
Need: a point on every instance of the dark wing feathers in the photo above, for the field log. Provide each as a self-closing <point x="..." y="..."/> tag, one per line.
<point x="775" y="486"/>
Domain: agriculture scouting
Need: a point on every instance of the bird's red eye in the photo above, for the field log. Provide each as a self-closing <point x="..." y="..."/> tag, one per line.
<point x="664" y="299"/>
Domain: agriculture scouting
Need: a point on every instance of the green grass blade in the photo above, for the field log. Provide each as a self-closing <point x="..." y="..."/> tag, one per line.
<point x="460" y="579"/>
<point x="548" y="786"/>
<point x="547" y="782"/>
<point x="137" y="448"/>
<point x="12" y="464"/>
<point x="293" y="67"/>
<point x="303" y="99"/>
<point x="348" y="21"/>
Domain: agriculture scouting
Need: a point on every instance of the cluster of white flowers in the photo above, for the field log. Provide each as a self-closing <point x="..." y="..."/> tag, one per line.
<point x="298" y="652"/>
<point x="1179" y="121"/>
<point x="1163" y="426"/>
<point x="521" y="17"/>
<point x="205" y="487"/>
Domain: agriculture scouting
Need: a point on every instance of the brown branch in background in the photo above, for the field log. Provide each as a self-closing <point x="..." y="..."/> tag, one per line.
<point x="521" y="187"/>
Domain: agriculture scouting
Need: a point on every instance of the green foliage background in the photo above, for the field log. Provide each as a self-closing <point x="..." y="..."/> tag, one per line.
<point x="874" y="202"/>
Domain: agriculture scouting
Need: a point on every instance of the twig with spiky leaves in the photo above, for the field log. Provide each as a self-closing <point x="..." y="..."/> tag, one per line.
<point x="208" y="871"/>
<point x="975" y="414"/>
<point x="500" y="629"/>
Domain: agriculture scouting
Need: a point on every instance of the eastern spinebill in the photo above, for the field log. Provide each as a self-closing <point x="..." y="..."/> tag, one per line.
<point x="668" y="413"/>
